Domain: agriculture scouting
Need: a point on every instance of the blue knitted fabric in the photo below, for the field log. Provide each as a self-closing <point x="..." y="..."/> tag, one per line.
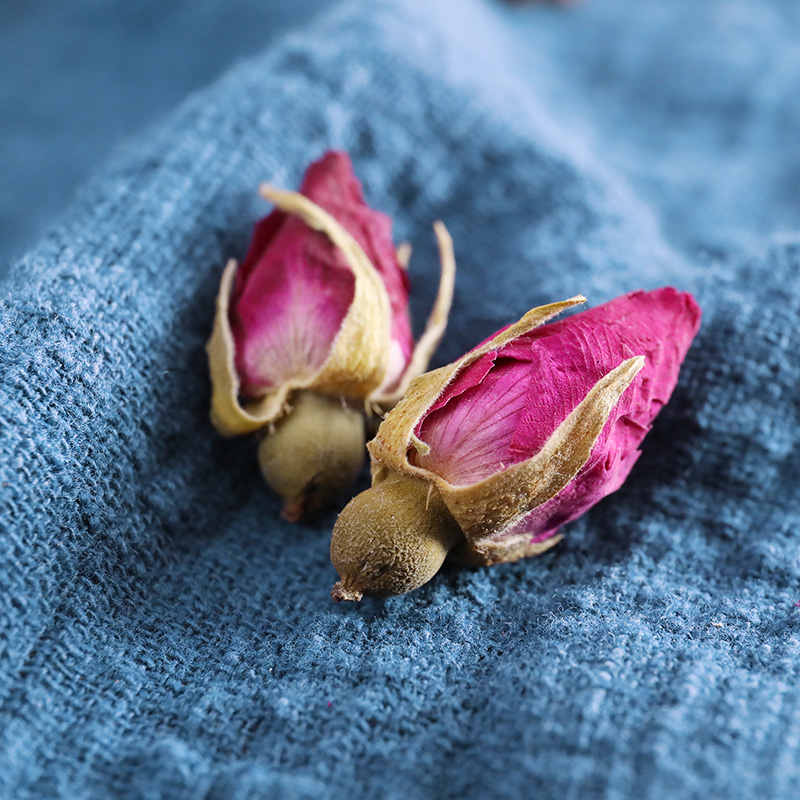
<point x="164" y="634"/>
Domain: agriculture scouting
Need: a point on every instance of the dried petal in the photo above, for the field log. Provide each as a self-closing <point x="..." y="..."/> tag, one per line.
<point x="390" y="447"/>
<point x="301" y="276"/>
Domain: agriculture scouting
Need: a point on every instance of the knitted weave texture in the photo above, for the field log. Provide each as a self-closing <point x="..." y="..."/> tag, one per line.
<point x="164" y="634"/>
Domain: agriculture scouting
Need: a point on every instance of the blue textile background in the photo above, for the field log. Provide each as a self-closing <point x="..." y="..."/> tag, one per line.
<point x="164" y="634"/>
<point x="78" y="76"/>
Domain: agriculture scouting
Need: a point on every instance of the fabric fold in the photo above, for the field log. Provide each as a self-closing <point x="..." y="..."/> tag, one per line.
<point x="152" y="601"/>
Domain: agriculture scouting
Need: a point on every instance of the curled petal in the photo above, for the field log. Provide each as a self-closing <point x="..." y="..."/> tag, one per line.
<point x="487" y="510"/>
<point x="289" y="300"/>
<point x="396" y="434"/>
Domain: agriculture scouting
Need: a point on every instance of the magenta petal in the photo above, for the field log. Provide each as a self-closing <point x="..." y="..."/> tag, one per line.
<point x="465" y="442"/>
<point x="659" y="325"/>
<point x="501" y="409"/>
<point x="291" y="308"/>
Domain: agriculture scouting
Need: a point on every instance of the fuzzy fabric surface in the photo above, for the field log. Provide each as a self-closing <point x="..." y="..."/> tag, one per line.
<point x="164" y="634"/>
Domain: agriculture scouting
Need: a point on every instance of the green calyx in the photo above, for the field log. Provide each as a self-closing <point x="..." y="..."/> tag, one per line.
<point x="391" y="539"/>
<point x="312" y="453"/>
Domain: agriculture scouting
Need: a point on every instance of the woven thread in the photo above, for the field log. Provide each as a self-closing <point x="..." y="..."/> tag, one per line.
<point x="164" y="634"/>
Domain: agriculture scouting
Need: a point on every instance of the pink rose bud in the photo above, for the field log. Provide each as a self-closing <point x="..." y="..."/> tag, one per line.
<point x="312" y="331"/>
<point x="489" y="456"/>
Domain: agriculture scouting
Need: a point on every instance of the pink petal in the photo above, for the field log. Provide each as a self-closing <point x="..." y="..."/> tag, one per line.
<point x="294" y="287"/>
<point x="662" y="324"/>
<point x="332" y="184"/>
<point x="288" y="306"/>
<point x="543" y="376"/>
<point x="467" y="443"/>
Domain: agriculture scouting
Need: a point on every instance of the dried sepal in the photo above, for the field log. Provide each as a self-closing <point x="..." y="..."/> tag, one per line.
<point x="437" y="321"/>
<point x="228" y="415"/>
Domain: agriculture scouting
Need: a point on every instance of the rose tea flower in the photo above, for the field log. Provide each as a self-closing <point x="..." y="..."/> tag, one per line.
<point x="488" y="457"/>
<point x="312" y="332"/>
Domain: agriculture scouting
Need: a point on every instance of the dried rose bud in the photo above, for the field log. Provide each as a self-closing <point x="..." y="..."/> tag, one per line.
<point x="312" y="330"/>
<point x="486" y="458"/>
